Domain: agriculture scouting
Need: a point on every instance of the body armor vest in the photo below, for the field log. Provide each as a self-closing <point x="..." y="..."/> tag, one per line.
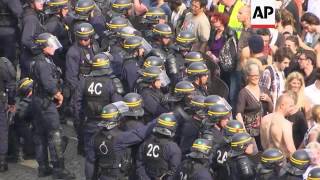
<point x="85" y="61"/>
<point x="96" y="95"/>
<point x="153" y="153"/>
<point x="38" y="88"/>
<point x="107" y="158"/>
<point x="189" y="167"/>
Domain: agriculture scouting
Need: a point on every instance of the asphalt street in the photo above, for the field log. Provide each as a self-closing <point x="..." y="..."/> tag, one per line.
<point x="27" y="170"/>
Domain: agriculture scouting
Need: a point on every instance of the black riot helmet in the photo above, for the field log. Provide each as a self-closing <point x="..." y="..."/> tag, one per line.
<point x="201" y="149"/>
<point x="121" y="6"/>
<point x="134" y="102"/>
<point x="132" y="43"/>
<point x="166" y="125"/>
<point x="216" y="113"/>
<point x="83" y="8"/>
<point x="25" y="86"/>
<point x="111" y="114"/>
<point x="153" y="15"/>
<point x="196" y="105"/>
<point x="84" y="31"/>
<point x="127" y="32"/>
<point x="298" y="162"/>
<point x="197" y="69"/>
<point x="153" y="61"/>
<point x="161" y="30"/>
<point x="54" y="6"/>
<point x="232" y="127"/>
<point x="239" y="143"/>
<point x="150" y="74"/>
<point x="185" y="40"/>
<point x="116" y="23"/>
<point x="183" y="89"/>
<point x="272" y="158"/>
<point x="215" y="99"/>
<point x="314" y="174"/>
<point x="193" y="56"/>
<point x="101" y="64"/>
<point x="44" y="40"/>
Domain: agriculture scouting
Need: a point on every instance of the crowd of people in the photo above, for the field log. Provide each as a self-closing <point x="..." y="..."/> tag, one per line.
<point x="155" y="89"/>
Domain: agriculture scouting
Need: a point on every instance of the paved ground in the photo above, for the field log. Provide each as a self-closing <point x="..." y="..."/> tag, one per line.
<point x="27" y="170"/>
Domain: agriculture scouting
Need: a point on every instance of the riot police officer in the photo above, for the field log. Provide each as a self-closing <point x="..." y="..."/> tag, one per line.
<point x="7" y="95"/>
<point x="20" y="130"/>
<point x="162" y="35"/>
<point x="87" y="11"/>
<point x="134" y="117"/>
<point x="189" y="58"/>
<point x="159" y="156"/>
<point x="297" y="165"/>
<point x="215" y="99"/>
<point x="56" y="25"/>
<point x="104" y="160"/>
<point x="241" y="167"/>
<point x="190" y="129"/>
<point x="180" y="48"/>
<point x="79" y="58"/>
<point x="153" y="16"/>
<point x="182" y="92"/>
<point x="314" y="174"/>
<point x="197" y="164"/>
<point x="10" y="15"/>
<point x="198" y="73"/>
<point x="149" y="87"/>
<point x="120" y="8"/>
<point x="45" y="100"/>
<point x="220" y="151"/>
<point x="132" y="62"/>
<point x="97" y="89"/>
<point x="270" y="164"/>
<point x="32" y="25"/>
<point x="218" y="117"/>
<point x="112" y="34"/>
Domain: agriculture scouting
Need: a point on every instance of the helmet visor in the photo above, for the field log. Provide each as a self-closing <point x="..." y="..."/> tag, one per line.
<point x="54" y="43"/>
<point x="121" y="106"/>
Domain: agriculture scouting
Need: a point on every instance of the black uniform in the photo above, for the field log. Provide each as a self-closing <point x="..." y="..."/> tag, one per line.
<point x="241" y="168"/>
<point x="7" y="94"/>
<point x="152" y="103"/>
<point x="46" y="117"/>
<point x="10" y="14"/>
<point x="95" y="92"/>
<point x="130" y="74"/>
<point x="32" y="26"/>
<point x="189" y="132"/>
<point x="219" y="161"/>
<point x="158" y="156"/>
<point x="21" y="128"/>
<point x="57" y="26"/>
<point x="192" y="169"/>
<point x="112" y="164"/>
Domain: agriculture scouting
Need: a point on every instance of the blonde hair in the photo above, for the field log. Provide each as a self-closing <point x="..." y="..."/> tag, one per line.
<point x="300" y="94"/>
<point x="316" y="113"/>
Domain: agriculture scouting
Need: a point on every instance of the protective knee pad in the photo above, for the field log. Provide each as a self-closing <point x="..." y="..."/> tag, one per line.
<point x="57" y="143"/>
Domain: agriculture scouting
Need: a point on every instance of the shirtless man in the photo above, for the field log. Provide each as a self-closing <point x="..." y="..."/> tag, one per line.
<point x="276" y="131"/>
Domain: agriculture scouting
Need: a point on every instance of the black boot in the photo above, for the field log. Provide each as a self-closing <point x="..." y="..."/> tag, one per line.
<point x="44" y="170"/>
<point x="59" y="171"/>
<point x="3" y="163"/>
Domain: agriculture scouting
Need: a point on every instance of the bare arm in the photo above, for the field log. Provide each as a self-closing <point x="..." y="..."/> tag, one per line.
<point x="288" y="138"/>
<point x="139" y="8"/>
